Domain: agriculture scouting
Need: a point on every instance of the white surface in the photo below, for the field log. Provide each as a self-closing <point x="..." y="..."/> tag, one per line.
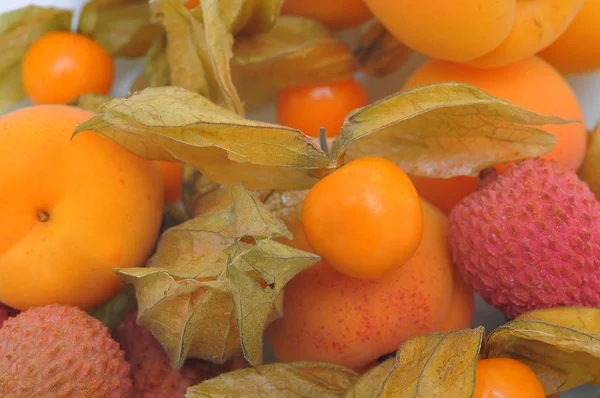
<point x="587" y="88"/>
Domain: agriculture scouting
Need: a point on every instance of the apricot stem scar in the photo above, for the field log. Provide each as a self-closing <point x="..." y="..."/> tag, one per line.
<point x="43" y="215"/>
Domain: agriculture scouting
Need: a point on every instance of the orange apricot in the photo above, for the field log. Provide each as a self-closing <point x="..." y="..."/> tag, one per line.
<point x="308" y="108"/>
<point x="61" y="66"/>
<point x="337" y="14"/>
<point x="77" y="208"/>
<point x="332" y="317"/>
<point x="462" y="305"/>
<point x="506" y="377"/>
<point x="577" y="50"/>
<point x="365" y="218"/>
<point x="172" y="175"/>
<point x="532" y="84"/>
<point x="482" y="33"/>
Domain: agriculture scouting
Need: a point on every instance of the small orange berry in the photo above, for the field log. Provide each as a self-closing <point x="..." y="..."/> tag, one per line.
<point x="308" y="108"/>
<point x="61" y="66"/>
<point x="506" y="378"/>
<point x="365" y="219"/>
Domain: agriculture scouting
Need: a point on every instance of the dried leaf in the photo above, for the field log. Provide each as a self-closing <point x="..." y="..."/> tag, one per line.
<point x="122" y="27"/>
<point x="296" y="51"/>
<point x="281" y="380"/>
<point x="445" y="130"/>
<point x="206" y="293"/>
<point x="199" y="51"/>
<point x="156" y="67"/>
<point x="379" y="53"/>
<point x="246" y="16"/>
<point x="91" y="102"/>
<point x="590" y="171"/>
<point x="562" y="345"/>
<point x="370" y="383"/>
<point x="427" y="366"/>
<point x="171" y="123"/>
<point x="114" y="310"/>
<point x="19" y="29"/>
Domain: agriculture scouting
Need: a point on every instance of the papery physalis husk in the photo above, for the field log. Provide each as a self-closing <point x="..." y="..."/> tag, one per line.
<point x="444" y="130"/>
<point x="216" y="281"/>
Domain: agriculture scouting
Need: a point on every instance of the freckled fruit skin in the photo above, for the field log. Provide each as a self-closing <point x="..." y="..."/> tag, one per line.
<point x="61" y="66"/>
<point x="365" y="218"/>
<point x="77" y="208"/>
<point x="506" y="377"/>
<point x="332" y="317"/>
<point x="482" y="33"/>
<point x="462" y="305"/>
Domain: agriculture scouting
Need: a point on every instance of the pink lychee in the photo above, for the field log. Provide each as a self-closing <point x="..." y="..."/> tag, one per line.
<point x="530" y="239"/>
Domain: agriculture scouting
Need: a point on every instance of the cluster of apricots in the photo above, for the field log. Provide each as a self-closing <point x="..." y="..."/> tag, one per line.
<point x="385" y="274"/>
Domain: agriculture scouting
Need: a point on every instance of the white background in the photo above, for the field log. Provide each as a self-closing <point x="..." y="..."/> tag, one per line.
<point x="587" y="88"/>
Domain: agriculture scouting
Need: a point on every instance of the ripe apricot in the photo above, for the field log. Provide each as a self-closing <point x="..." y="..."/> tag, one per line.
<point x="480" y="32"/>
<point x="506" y="377"/>
<point x="332" y="317"/>
<point x="532" y="84"/>
<point x="308" y="108"/>
<point x="337" y="14"/>
<point x="462" y="305"/>
<point x="577" y="50"/>
<point x="365" y="218"/>
<point x="172" y="175"/>
<point x="60" y="66"/>
<point x="75" y="209"/>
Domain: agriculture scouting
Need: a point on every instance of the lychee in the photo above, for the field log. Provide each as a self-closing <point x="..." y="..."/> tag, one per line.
<point x="60" y="351"/>
<point x="529" y="239"/>
<point x="151" y="371"/>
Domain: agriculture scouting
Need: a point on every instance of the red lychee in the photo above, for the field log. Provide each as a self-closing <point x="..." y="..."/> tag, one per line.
<point x="151" y="371"/>
<point x="530" y="239"/>
<point x="60" y="351"/>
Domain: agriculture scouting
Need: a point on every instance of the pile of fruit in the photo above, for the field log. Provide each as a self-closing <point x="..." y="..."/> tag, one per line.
<point x="150" y="245"/>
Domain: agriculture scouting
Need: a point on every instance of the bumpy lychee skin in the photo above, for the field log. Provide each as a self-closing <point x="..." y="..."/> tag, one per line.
<point x="60" y="351"/>
<point x="151" y="371"/>
<point x="530" y="239"/>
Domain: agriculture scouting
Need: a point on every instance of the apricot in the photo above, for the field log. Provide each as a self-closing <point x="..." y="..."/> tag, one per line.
<point x="332" y="317"/>
<point x="577" y="50"/>
<point x="481" y="32"/>
<point x="71" y="210"/>
<point x="532" y="84"/>
<point x="462" y="305"/>
<point x="172" y="175"/>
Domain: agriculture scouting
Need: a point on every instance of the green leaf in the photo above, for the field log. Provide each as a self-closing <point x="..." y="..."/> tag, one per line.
<point x="296" y="51"/>
<point x="206" y="293"/>
<point x="122" y="27"/>
<point x="562" y="345"/>
<point x="281" y="380"/>
<point x="444" y="130"/>
<point x="171" y="123"/>
<point x="379" y="52"/>
<point x="19" y="29"/>
<point x="199" y="51"/>
<point x="114" y="310"/>
<point x="590" y="171"/>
